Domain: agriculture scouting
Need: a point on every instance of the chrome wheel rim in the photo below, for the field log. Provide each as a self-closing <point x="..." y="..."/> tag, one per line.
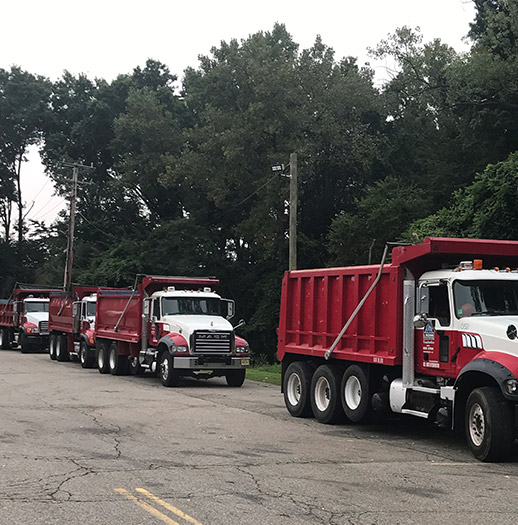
<point x="353" y="392"/>
<point x="293" y="389"/>
<point x="82" y="354"/>
<point x="477" y="425"/>
<point x="100" y="358"/>
<point x="322" y="394"/>
<point x="164" y="368"/>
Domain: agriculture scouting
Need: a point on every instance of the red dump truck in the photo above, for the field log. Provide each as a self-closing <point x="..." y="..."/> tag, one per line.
<point x="72" y="325"/>
<point x="175" y="326"/>
<point x="433" y="334"/>
<point x="24" y="318"/>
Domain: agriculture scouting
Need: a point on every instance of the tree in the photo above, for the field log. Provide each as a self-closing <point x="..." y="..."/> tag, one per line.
<point x="23" y="112"/>
<point x="488" y="208"/>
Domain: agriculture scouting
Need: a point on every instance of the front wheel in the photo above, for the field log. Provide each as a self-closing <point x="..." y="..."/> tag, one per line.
<point x="235" y="377"/>
<point x="489" y="424"/>
<point x="25" y="346"/>
<point x="86" y="356"/>
<point x="168" y="375"/>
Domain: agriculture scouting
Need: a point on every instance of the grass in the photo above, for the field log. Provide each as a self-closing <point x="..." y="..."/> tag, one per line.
<point x="265" y="374"/>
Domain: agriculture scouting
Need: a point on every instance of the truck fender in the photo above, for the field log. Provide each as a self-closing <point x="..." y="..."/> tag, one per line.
<point x="240" y="341"/>
<point x="26" y="325"/>
<point x="488" y="368"/>
<point x="172" y="340"/>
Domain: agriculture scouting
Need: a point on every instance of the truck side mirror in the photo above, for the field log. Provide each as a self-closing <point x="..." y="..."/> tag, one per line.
<point x="420" y="320"/>
<point x="76" y="316"/>
<point x="230" y="310"/>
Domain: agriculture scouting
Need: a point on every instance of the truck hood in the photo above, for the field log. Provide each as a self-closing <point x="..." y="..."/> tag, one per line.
<point x="187" y="324"/>
<point x="36" y="317"/>
<point x="493" y="331"/>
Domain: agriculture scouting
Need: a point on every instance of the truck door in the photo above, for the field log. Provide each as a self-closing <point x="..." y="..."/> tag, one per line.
<point x="434" y="341"/>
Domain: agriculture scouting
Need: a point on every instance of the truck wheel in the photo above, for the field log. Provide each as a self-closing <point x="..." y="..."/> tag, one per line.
<point x="168" y="375"/>
<point x="52" y="346"/>
<point x="86" y="356"/>
<point x="355" y="394"/>
<point x="296" y="387"/>
<point x="5" y="342"/>
<point x="135" y="368"/>
<point x="325" y="395"/>
<point x="489" y="424"/>
<point x="118" y="364"/>
<point x="62" y="354"/>
<point x="102" y="358"/>
<point x="235" y="377"/>
<point x="24" y="344"/>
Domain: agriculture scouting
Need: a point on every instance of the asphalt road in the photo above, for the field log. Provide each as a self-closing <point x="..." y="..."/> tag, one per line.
<point x="78" y="447"/>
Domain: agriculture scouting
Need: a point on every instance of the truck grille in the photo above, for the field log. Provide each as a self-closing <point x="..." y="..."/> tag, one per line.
<point x="44" y="327"/>
<point x="212" y="342"/>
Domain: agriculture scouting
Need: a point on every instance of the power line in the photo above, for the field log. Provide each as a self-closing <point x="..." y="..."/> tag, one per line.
<point x="239" y="204"/>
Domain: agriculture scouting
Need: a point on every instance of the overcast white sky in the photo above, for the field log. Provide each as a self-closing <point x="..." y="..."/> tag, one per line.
<point x="103" y="38"/>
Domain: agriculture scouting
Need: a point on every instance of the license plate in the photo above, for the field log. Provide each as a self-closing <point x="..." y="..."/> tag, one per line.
<point x="245" y="362"/>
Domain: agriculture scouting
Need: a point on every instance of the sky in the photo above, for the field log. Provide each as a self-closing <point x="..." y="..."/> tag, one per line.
<point x="103" y="39"/>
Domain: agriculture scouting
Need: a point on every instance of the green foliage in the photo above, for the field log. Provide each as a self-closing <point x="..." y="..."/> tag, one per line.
<point x="488" y="208"/>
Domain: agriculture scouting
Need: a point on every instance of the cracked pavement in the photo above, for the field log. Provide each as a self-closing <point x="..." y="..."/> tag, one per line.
<point x="69" y="437"/>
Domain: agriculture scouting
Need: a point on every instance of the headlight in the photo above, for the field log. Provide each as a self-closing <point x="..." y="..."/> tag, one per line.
<point x="32" y="330"/>
<point x="511" y="385"/>
<point x="181" y="349"/>
<point x="242" y="349"/>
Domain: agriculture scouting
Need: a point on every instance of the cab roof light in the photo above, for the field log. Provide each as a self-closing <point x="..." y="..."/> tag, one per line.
<point x="477" y="264"/>
<point x="496" y="268"/>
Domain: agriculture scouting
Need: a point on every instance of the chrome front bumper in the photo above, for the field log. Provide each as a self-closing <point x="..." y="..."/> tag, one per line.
<point x="195" y="363"/>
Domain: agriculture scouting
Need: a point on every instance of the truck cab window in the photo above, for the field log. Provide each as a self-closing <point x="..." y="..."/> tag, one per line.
<point x="435" y="303"/>
<point x="156" y="309"/>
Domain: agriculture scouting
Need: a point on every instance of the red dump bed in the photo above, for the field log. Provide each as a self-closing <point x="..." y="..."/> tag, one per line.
<point x="316" y="304"/>
<point x="61" y="307"/>
<point x="6" y="312"/>
<point x="119" y="315"/>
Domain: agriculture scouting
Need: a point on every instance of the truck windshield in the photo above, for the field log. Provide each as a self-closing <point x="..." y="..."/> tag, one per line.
<point x="190" y="306"/>
<point x="477" y="298"/>
<point x="37" y="306"/>
<point x="90" y="309"/>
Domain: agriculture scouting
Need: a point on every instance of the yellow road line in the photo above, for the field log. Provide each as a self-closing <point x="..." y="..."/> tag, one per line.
<point x="178" y="512"/>
<point x="147" y="507"/>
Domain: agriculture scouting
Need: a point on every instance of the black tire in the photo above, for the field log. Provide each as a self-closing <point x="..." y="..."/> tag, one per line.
<point x="52" y="346"/>
<point x="489" y="424"/>
<point x="168" y="375"/>
<point x="25" y="346"/>
<point x="5" y="339"/>
<point x="86" y="355"/>
<point x="296" y="388"/>
<point x="62" y="354"/>
<point x="117" y="363"/>
<point x="101" y="357"/>
<point x="325" y="395"/>
<point x="355" y="394"/>
<point x="235" y="377"/>
<point x="135" y="368"/>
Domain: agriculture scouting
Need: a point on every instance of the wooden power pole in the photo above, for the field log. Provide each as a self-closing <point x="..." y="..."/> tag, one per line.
<point x="293" y="211"/>
<point x="67" y="281"/>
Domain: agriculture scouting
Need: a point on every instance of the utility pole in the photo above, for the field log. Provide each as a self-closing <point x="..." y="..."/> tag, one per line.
<point x="293" y="211"/>
<point x="71" y="225"/>
<point x="67" y="281"/>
